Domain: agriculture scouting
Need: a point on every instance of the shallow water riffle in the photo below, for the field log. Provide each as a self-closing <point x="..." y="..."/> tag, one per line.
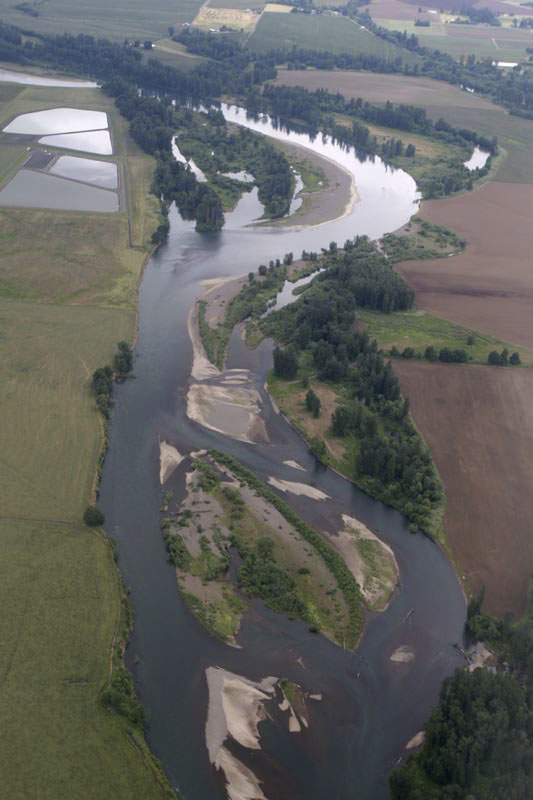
<point x="371" y="706"/>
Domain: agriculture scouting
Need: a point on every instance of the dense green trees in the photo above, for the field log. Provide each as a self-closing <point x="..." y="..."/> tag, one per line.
<point x="479" y="739"/>
<point x="392" y="461"/>
<point x="312" y="403"/>
<point x="503" y="359"/>
<point x="102" y="378"/>
<point x="285" y="362"/>
<point x="93" y="517"/>
<point x="217" y="150"/>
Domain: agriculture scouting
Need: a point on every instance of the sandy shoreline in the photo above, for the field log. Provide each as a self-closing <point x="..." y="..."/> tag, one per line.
<point x="335" y="201"/>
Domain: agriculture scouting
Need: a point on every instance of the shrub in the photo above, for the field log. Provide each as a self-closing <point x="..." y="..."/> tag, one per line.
<point x="93" y="517"/>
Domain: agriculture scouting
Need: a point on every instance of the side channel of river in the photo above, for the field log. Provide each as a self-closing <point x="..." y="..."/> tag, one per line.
<point x="371" y="705"/>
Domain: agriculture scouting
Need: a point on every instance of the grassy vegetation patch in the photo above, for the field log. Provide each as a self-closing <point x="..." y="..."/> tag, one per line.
<point x="11" y="155"/>
<point x="420" y="239"/>
<point x="334" y="562"/>
<point x="281" y="559"/>
<point x="114" y="19"/>
<point x="342" y="35"/>
<point x="418" y="330"/>
<point x="60" y="599"/>
<point x="50" y="431"/>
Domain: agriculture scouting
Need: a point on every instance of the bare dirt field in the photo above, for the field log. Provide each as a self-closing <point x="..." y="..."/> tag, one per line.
<point x="478" y="422"/>
<point x="380" y="88"/>
<point x="490" y="286"/>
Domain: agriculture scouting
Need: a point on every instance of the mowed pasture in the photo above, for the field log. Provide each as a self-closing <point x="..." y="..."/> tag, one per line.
<point x="114" y="19"/>
<point x="478" y="422"/>
<point x="51" y="436"/>
<point x="60" y="600"/>
<point x="490" y="286"/>
<point x="173" y="54"/>
<point x="320" y="32"/>
<point x="67" y="295"/>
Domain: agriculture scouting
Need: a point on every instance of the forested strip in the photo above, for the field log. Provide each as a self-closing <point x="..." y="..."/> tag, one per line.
<point x="479" y="739"/>
<point x="391" y="460"/>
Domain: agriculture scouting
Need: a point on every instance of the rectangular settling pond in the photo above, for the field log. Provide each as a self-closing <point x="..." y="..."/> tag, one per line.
<point x="37" y="190"/>
<point x="88" y="170"/>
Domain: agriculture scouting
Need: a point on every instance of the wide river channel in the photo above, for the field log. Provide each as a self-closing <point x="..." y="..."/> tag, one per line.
<point x="371" y="705"/>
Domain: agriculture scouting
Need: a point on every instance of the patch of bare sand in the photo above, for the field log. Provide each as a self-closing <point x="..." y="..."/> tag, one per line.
<point x="218" y="293"/>
<point x="294" y="465"/>
<point x="297" y="488"/>
<point x="202" y="368"/>
<point x="230" y="410"/>
<point x="169" y="459"/>
<point x="335" y="201"/>
<point x="402" y="655"/>
<point x="241" y="782"/>
<point x="371" y="562"/>
<point x="416" y="741"/>
<point x="236" y="707"/>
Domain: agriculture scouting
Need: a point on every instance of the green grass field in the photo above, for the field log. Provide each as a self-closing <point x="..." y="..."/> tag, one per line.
<point x="115" y="19"/>
<point x="67" y="295"/>
<point x="60" y="599"/>
<point x="319" y="32"/>
<point x="173" y="54"/>
<point x="419" y="329"/>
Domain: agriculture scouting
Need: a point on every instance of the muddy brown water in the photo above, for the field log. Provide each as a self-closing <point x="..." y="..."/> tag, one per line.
<point x="371" y="706"/>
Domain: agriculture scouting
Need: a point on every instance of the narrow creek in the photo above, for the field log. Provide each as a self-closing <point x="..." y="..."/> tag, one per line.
<point x="371" y="705"/>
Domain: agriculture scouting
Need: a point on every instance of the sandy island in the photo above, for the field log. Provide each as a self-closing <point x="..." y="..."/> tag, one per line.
<point x="298" y="488"/>
<point x="230" y="403"/>
<point x="373" y="566"/>
<point x="236" y="707"/>
<point x="169" y="459"/>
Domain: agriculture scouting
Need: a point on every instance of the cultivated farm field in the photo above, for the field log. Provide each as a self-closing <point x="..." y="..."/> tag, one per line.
<point x="478" y="422"/>
<point x="319" y="32"/>
<point x="489" y="287"/>
<point x="114" y="19"/>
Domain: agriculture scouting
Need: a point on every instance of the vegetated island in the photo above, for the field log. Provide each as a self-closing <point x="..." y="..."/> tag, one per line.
<point x="234" y="538"/>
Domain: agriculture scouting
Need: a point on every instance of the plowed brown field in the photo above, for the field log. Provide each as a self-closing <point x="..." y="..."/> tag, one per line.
<point x="490" y="286"/>
<point x="478" y="422"/>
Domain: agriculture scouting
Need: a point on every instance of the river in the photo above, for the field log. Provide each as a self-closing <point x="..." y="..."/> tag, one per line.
<point x="371" y="706"/>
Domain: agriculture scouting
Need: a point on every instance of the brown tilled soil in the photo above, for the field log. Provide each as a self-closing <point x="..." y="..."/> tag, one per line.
<point x="478" y="422"/>
<point x="490" y="286"/>
<point x="380" y="88"/>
